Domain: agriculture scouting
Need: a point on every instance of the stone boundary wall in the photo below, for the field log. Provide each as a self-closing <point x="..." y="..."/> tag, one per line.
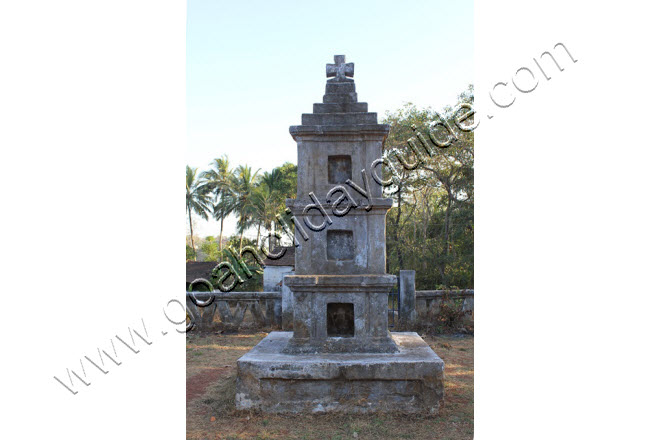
<point x="427" y="302"/>
<point x="228" y="310"/>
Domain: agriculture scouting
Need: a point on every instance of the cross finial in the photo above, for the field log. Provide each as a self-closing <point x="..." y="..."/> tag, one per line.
<point x="340" y="70"/>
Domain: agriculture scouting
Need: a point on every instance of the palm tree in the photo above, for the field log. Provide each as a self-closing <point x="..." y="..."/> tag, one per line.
<point x="197" y="200"/>
<point x="243" y="184"/>
<point x="264" y="206"/>
<point x="269" y="198"/>
<point x="272" y="180"/>
<point x="218" y="182"/>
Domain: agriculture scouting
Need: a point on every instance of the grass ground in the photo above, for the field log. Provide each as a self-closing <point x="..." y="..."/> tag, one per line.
<point x="210" y="414"/>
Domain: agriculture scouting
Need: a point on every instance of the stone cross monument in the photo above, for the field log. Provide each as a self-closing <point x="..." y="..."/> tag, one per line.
<point x="340" y="288"/>
<point x="340" y="355"/>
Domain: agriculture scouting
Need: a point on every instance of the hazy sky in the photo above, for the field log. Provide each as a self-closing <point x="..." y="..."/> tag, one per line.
<point x="254" y="66"/>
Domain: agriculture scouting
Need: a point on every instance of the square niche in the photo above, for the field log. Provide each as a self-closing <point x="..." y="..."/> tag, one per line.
<point x="341" y="320"/>
<point x="339" y="169"/>
<point x="340" y="245"/>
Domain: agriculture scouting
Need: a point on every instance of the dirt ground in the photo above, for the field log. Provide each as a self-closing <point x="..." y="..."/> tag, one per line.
<point x="210" y="414"/>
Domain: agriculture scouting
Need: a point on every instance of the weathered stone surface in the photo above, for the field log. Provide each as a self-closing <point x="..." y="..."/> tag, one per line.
<point x="408" y="381"/>
<point x="339" y="118"/>
<point x="287" y="308"/>
<point x="368" y="235"/>
<point x="332" y="98"/>
<point x="340" y="355"/>
<point x="341" y="245"/>
<point x="339" y="168"/>
<point x="340" y="70"/>
<point x="348" y="107"/>
<point x="407" y="296"/>
<point x="346" y="87"/>
<point x="368" y="295"/>
<point x="273" y="277"/>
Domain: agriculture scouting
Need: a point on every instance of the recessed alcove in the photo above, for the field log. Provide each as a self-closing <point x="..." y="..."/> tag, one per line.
<point x="341" y="320"/>
<point x="340" y="245"/>
<point x="339" y="169"/>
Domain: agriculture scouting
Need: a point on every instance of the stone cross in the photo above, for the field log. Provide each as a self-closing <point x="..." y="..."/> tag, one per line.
<point x="340" y="69"/>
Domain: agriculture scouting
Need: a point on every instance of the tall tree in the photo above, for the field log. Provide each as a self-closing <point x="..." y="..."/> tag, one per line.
<point x="281" y="182"/>
<point x="263" y="204"/>
<point x="197" y="201"/>
<point x="217" y="181"/>
<point x="430" y="228"/>
<point x="243" y="184"/>
<point x="272" y="191"/>
<point x="405" y="179"/>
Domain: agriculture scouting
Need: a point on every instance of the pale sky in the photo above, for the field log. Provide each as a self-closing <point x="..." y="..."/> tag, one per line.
<point x="254" y="66"/>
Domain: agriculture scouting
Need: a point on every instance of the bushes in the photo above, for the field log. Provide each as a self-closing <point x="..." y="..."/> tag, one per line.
<point x="452" y="318"/>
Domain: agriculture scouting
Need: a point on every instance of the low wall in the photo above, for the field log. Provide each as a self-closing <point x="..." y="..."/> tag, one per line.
<point x="428" y="302"/>
<point x="228" y="310"/>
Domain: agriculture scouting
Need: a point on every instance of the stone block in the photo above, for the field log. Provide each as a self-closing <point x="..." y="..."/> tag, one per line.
<point x="368" y="237"/>
<point x="348" y="107"/>
<point x="313" y="297"/>
<point x="420" y="308"/>
<point x="287" y="308"/>
<point x="339" y="97"/>
<point x="407" y="296"/>
<point x="278" y="312"/>
<point x="339" y="118"/>
<point x="408" y="381"/>
<point x="339" y="87"/>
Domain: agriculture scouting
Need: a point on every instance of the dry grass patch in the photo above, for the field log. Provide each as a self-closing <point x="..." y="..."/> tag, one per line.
<point x="211" y="414"/>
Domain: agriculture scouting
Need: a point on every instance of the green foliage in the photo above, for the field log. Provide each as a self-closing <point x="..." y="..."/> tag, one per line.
<point x="197" y="201"/>
<point x="253" y="284"/>
<point x="218" y="182"/>
<point x="190" y="253"/>
<point x="270" y="194"/>
<point x="255" y="198"/>
<point x="431" y="227"/>
<point x="210" y="248"/>
<point x="243" y="184"/>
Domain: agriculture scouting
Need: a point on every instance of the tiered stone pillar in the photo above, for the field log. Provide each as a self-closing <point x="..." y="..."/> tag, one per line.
<point x="340" y="356"/>
<point x="340" y="287"/>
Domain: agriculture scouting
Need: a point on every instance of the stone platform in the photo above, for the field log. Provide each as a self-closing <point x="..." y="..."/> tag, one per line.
<point x="409" y="381"/>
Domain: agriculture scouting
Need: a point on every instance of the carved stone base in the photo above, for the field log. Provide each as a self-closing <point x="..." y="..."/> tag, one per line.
<point x="408" y="381"/>
<point x="340" y="313"/>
